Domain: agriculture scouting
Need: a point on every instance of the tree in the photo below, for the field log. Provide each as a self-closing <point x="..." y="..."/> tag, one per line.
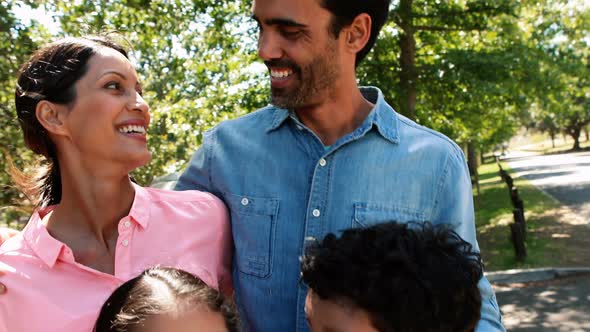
<point x="562" y="36"/>
<point x="460" y="67"/>
<point x="194" y="59"/>
<point x="426" y="19"/>
<point x="17" y="41"/>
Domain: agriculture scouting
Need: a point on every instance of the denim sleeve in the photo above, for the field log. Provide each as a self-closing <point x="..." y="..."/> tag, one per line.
<point x="454" y="205"/>
<point x="197" y="175"/>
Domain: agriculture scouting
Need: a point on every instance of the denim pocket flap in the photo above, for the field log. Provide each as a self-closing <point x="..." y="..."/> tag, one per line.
<point x="367" y="214"/>
<point x="247" y="204"/>
<point x="253" y="222"/>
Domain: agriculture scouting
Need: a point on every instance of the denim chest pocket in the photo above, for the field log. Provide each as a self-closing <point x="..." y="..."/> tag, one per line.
<point x="253" y="222"/>
<point x="368" y="214"/>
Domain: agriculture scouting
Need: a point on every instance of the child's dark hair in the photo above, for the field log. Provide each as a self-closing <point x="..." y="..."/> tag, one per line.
<point x="407" y="277"/>
<point x="159" y="291"/>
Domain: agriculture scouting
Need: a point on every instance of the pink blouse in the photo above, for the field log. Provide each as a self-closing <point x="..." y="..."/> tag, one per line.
<point x="49" y="291"/>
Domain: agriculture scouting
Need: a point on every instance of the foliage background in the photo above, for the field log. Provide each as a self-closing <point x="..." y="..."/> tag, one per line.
<point x="475" y="70"/>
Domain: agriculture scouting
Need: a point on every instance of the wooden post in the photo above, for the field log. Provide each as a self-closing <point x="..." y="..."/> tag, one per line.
<point x="518" y="241"/>
<point x="518" y="215"/>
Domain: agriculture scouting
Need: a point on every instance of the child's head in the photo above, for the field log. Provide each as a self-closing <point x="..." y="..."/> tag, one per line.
<point x="393" y="278"/>
<point x="166" y="299"/>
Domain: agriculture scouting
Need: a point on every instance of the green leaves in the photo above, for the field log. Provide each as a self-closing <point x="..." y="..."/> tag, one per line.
<point x="479" y="69"/>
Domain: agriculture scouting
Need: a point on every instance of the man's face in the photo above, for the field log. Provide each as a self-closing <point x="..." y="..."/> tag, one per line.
<point x="301" y="54"/>
<point x="330" y="316"/>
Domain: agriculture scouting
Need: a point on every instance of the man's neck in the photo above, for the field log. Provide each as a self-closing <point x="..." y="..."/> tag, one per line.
<point x="337" y="116"/>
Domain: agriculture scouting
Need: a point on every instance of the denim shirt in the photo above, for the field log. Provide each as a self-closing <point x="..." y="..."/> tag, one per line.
<point x="284" y="188"/>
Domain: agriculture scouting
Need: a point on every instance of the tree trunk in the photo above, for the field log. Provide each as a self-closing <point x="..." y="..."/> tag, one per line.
<point x="586" y="131"/>
<point x="575" y="133"/>
<point x="552" y="134"/>
<point x="408" y="75"/>
<point x="472" y="165"/>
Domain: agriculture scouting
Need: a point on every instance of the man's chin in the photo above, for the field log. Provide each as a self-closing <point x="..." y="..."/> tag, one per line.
<point x="280" y="104"/>
<point x="282" y="101"/>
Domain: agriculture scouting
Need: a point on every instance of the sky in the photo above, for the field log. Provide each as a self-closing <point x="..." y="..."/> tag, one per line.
<point x="26" y="14"/>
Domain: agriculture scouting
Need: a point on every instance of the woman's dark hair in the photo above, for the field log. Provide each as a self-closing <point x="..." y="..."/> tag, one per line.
<point x="50" y="74"/>
<point x="159" y="291"/>
<point x="407" y="277"/>
<point x="345" y="11"/>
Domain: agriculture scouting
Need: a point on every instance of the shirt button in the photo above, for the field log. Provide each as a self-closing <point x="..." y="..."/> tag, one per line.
<point x="245" y="201"/>
<point x="127" y="224"/>
<point x="299" y="127"/>
<point x="316" y="213"/>
<point x="125" y="243"/>
<point x="323" y="162"/>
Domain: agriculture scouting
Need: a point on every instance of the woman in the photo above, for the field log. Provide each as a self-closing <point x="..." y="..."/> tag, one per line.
<point x="166" y="299"/>
<point x="80" y="105"/>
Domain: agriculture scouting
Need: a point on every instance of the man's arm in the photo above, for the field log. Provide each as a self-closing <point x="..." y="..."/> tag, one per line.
<point x="454" y="205"/>
<point x="197" y="175"/>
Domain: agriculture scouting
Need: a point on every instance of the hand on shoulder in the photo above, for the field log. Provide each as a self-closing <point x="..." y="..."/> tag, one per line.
<point x="7" y="233"/>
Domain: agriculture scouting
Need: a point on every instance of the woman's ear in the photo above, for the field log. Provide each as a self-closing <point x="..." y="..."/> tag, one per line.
<point x="51" y="117"/>
<point x="358" y="33"/>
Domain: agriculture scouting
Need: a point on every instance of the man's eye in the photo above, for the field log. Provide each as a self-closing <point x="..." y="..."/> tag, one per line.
<point x="291" y="33"/>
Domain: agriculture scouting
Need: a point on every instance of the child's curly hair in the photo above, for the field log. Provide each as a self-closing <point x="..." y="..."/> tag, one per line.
<point x="407" y="277"/>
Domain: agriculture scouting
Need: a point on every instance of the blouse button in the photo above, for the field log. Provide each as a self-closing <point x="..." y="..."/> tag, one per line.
<point x="245" y="201"/>
<point x="125" y="243"/>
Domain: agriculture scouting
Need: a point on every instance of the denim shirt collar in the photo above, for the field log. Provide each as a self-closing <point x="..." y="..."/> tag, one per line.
<point x="381" y="116"/>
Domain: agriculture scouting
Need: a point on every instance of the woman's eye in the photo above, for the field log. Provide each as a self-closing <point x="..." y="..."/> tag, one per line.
<point x="113" y="86"/>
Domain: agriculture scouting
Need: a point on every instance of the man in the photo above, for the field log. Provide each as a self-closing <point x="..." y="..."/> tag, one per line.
<point x="327" y="155"/>
<point x="393" y="278"/>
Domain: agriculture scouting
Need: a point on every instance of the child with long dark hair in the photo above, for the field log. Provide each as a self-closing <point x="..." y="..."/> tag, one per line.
<point x="167" y="299"/>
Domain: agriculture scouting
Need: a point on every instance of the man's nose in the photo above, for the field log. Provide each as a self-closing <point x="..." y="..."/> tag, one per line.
<point x="269" y="47"/>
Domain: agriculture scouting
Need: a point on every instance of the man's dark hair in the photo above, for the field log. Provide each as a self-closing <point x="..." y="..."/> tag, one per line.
<point x="407" y="277"/>
<point x="344" y="12"/>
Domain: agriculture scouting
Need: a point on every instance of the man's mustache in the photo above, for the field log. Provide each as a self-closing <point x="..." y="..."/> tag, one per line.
<point x="284" y="63"/>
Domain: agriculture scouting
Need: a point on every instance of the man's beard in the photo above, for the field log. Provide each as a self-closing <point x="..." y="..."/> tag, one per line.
<point x="316" y="79"/>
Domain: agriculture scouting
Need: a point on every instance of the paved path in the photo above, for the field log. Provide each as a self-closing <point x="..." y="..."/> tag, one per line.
<point x="566" y="177"/>
<point x="553" y="306"/>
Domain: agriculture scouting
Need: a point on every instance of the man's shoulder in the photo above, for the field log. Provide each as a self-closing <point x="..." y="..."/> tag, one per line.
<point x="259" y="120"/>
<point x="424" y="138"/>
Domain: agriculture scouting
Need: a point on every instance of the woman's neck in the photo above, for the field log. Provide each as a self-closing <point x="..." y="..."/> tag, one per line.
<point x="93" y="202"/>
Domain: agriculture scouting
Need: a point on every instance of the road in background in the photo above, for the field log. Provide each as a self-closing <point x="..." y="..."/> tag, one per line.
<point x="561" y="305"/>
<point x="565" y="177"/>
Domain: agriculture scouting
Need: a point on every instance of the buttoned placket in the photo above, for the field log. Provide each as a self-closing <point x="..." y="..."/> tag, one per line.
<point x="316" y="216"/>
<point x="315" y="222"/>
<point x="122" y="253"/>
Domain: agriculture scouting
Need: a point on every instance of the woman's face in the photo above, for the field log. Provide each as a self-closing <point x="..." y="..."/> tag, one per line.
<point x="108" y="120"/>
<point x="198" y="319"/>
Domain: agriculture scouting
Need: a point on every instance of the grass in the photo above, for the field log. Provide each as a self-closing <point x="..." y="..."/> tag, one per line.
<point x="541" y="143"/>
<point x="493" y="214"/>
